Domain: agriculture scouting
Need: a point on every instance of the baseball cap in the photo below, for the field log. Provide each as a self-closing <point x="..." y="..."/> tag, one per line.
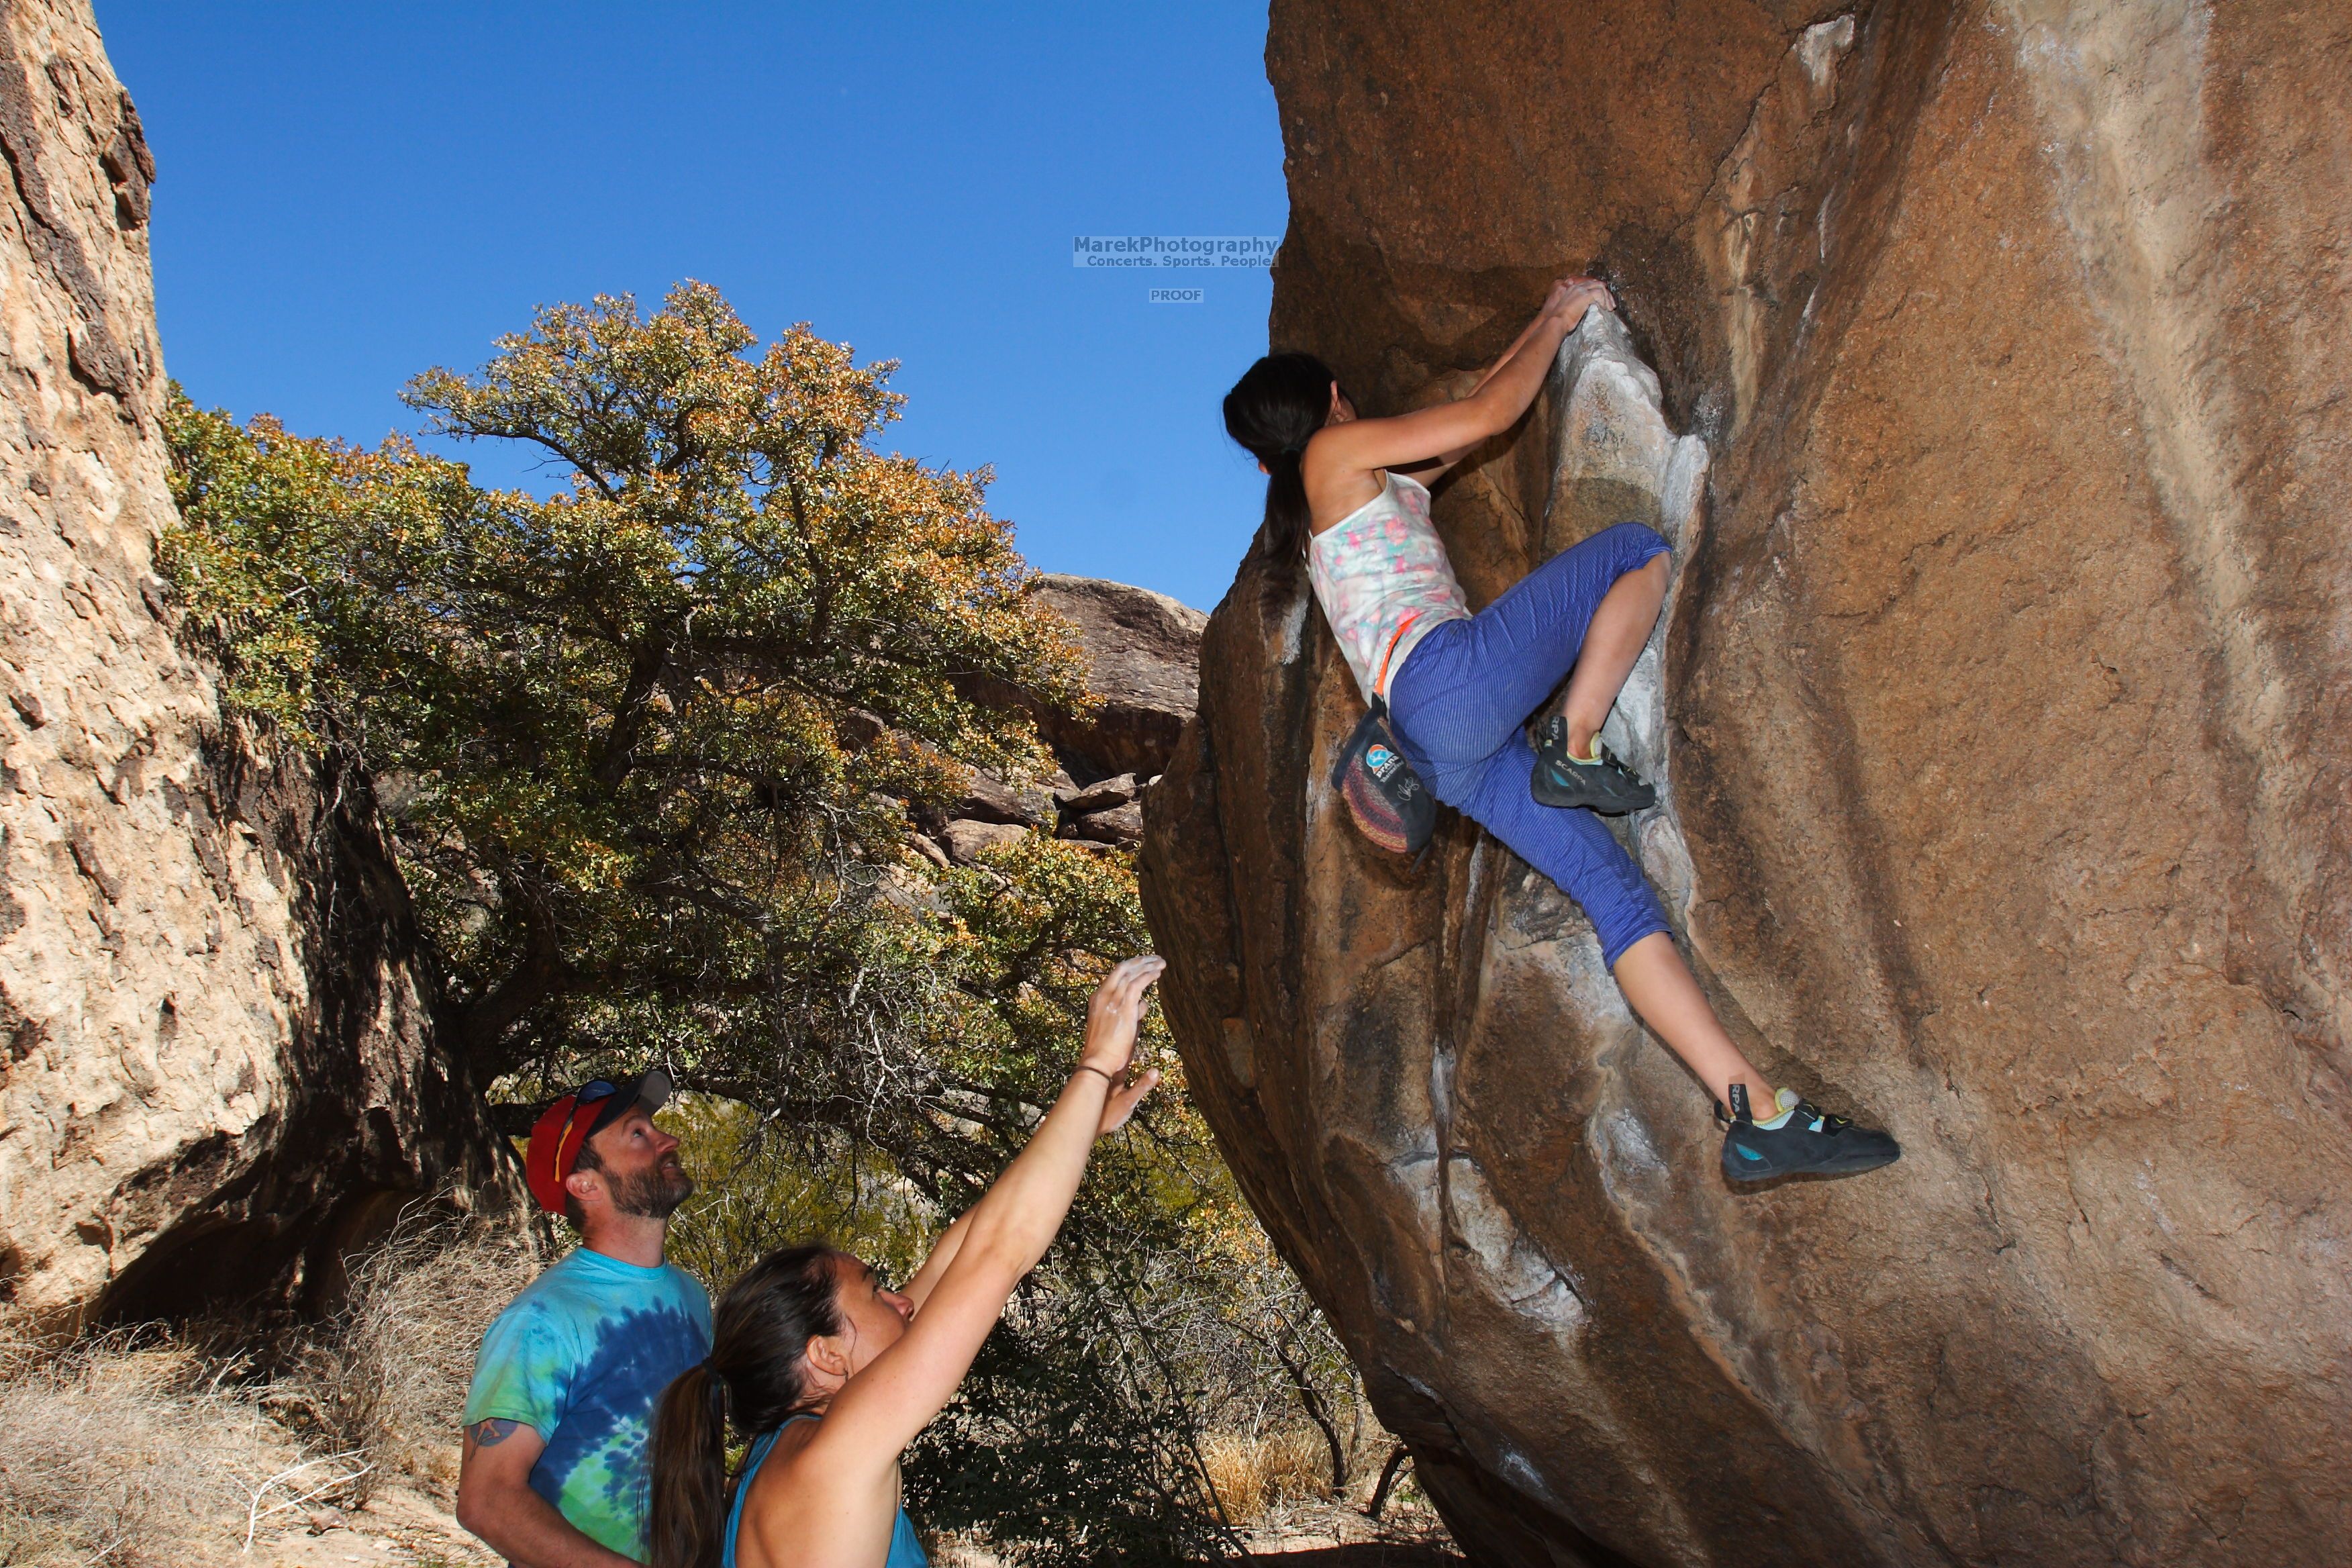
<point x="567" y="1124"/>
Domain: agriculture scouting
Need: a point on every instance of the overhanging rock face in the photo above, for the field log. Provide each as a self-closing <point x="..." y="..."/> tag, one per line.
<point x="2001" y="707"/>
<point x="219" y="1067"/>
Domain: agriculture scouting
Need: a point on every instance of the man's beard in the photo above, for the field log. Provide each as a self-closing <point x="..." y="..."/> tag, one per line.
<point x="652" y="1193"/>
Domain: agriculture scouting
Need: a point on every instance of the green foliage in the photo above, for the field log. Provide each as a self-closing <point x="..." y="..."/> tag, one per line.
<point x="1060" y="1450"/>
<point x="641" y="735"/>
<point x="754" y="1193"/>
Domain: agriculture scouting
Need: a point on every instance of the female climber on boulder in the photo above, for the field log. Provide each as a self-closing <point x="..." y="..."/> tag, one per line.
<point x="827" y="1376"/>
<point x="1351" y="494"/>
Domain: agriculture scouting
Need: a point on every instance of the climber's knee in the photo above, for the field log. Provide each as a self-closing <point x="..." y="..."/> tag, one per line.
<point x="1623" y="906"/>
<point x="1635" y="544"/>
<point x="1615" y="945"/>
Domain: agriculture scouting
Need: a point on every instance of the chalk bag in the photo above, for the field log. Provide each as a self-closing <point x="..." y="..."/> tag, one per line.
<point x="1391" y="804"/>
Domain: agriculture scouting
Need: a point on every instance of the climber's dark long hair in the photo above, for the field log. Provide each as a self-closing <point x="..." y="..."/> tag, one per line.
<point x="759" y="1332"/>
<point x="1276" y="404"/>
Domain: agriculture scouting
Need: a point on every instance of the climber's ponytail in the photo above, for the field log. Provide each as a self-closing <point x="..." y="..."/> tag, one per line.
<point x="752" y="1379"/>
<point x="690" y="1471"/>
<point x="1278" y="404"/>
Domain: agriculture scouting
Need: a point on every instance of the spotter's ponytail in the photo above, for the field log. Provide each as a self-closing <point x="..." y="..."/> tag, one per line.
<point x="753" y="1380"/>
<point x="690" y="1471"/>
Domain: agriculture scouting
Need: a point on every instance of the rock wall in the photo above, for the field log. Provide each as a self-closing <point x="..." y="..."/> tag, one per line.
<point x="219" y="1067"/>
<point x="2002" y="706"/>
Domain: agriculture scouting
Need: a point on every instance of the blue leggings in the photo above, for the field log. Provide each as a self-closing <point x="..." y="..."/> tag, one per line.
<point x="1466" y="689"/>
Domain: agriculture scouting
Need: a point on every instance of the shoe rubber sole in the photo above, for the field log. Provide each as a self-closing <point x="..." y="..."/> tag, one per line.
<point x="1741" y="1163"/>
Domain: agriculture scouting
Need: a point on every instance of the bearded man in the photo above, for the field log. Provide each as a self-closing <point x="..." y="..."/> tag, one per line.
<point x="562" y="1404"/>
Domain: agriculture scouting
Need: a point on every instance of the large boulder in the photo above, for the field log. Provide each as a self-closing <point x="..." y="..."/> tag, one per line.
<point x="1142" y="651"/>
<point x="220" y="1067"/>
<point x="2002" y="715"/>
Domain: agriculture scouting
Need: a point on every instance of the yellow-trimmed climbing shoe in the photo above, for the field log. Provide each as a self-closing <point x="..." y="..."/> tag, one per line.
<point x="1598" y="783"/>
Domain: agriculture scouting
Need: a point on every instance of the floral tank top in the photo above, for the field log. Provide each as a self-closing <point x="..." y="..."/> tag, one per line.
<point x="1381" y="576"/>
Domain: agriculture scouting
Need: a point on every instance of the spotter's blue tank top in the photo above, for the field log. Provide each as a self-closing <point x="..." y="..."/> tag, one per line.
<point x="906" y="1552"/>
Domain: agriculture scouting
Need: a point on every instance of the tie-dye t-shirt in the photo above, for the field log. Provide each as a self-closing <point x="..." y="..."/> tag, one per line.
<point x="1381" y="576"/>
<point x="581" y="1357"/>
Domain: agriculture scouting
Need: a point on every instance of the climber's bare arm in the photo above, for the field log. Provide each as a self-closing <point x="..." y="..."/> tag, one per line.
<point x="881" y="1408"/>
<point x="1344" y="455"/>
<point x="1429" y="469"/>
<point x="495" y="1502"/>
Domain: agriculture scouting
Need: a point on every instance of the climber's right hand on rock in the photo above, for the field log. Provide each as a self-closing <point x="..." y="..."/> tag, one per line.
<point x="1571" y="296"/>
<point x="1112" y="1018"/>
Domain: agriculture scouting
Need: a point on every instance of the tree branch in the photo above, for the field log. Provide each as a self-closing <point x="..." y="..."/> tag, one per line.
<point x="542" y="974"/>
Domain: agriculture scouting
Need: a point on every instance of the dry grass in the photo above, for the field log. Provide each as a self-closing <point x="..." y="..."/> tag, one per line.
<point x="388" y="1378"/>
<point x="147" y="1451"/>
<point x="1256" y="1474"/>
<point x="137" y="1454"/>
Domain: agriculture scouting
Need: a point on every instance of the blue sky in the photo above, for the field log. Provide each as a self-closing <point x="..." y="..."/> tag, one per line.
<point x="350" y="193"/>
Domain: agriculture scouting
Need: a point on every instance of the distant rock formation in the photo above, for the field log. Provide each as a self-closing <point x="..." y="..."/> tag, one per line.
<point x="220" y="1070"/>
<point x="1143" y="656"/>
<point x="2002" y="709"/>
<point x="1142" y="653"/>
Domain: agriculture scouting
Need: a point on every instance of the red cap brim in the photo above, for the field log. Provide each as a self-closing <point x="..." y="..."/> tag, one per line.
<point x="540" y="1160"/>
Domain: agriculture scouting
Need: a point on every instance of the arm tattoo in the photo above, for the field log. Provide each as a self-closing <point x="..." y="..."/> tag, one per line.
<point x="491" y="1433"/>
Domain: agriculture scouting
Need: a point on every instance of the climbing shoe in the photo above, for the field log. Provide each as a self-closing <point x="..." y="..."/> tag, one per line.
<point x="1801" y="1139"/>
<point x="1599" y="783"/>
